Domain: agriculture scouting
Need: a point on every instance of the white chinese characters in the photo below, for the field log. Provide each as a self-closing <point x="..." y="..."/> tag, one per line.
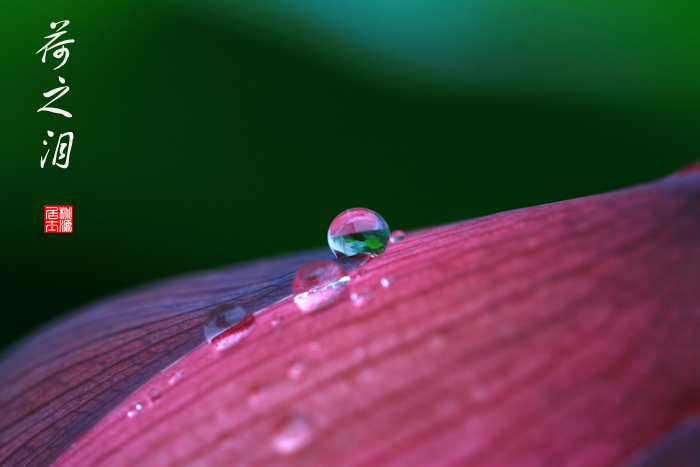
<point x="62" y="150"/>
<point x="62" y="52"/>
<point x="61" y="157"/>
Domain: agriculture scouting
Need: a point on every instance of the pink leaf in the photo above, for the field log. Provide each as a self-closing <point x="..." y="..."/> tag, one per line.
<point x="559" y="334"/>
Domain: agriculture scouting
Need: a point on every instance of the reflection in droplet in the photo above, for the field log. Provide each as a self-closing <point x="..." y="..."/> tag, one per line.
<point x="358" y="231"/>
<point x="227" y="325"/>
<point x="386" y="281"/>
<point x="293" y="435"/>
<point x="318" y="284"/>
<point x="397" y="236"/>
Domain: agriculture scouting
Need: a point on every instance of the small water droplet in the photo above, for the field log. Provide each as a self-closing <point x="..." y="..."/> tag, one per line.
<point x="227" y="325"/>
<point x="397" y="236"/>
<point x="386" y="281"/>
<point x="175" y="377"/>
<point x="361" y="296"/>
<point x="296" y="371"/>
<point x="154" y="397"/>
<point x="293" y="435"/>
<point x="256" y="394"/>
<point x="358" y="231"/>
<point x="318" y="284"/>
<point x="135" y="409"/>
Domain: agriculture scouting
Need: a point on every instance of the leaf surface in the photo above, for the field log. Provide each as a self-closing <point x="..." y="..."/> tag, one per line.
<point x="559" y="334"/>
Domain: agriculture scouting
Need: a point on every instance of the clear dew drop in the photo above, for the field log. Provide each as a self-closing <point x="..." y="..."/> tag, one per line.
<point x="386" y="281"/>
<point x="318" y="284"/>
<point x="227" y="325"/>
<point x="397" y="236"/>
<point x="293" y="435"/>
<point x="358" y="231"/>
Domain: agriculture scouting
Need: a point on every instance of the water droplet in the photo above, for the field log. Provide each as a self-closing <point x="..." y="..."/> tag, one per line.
<point x="256" y="394"/>
<point x="292" y="435"/>
<point x="226" y="325"/>
<point x="296" y="371"/>
<point x="318" y="284"/>
<point x="397" y="236"/>
<point x="175" y="377"/>
<point x="386" y="281"/>
<point x="154" y="397"/>
<point x="361" y="296"/>
<point x="135" y="409"/>
<point x="358" y="231"/>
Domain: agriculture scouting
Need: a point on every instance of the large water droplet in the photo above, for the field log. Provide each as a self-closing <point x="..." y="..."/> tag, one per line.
<point x="293" y="435"/>
<point x="227" y="325"/>
<point x="318" y="284"/>
<point x="358" y="231"/>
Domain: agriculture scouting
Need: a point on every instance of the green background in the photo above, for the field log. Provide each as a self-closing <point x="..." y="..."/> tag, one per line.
<point x="212" y="134"/>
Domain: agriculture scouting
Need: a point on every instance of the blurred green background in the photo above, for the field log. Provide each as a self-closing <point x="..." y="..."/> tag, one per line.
<point x="225" y="131"/>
